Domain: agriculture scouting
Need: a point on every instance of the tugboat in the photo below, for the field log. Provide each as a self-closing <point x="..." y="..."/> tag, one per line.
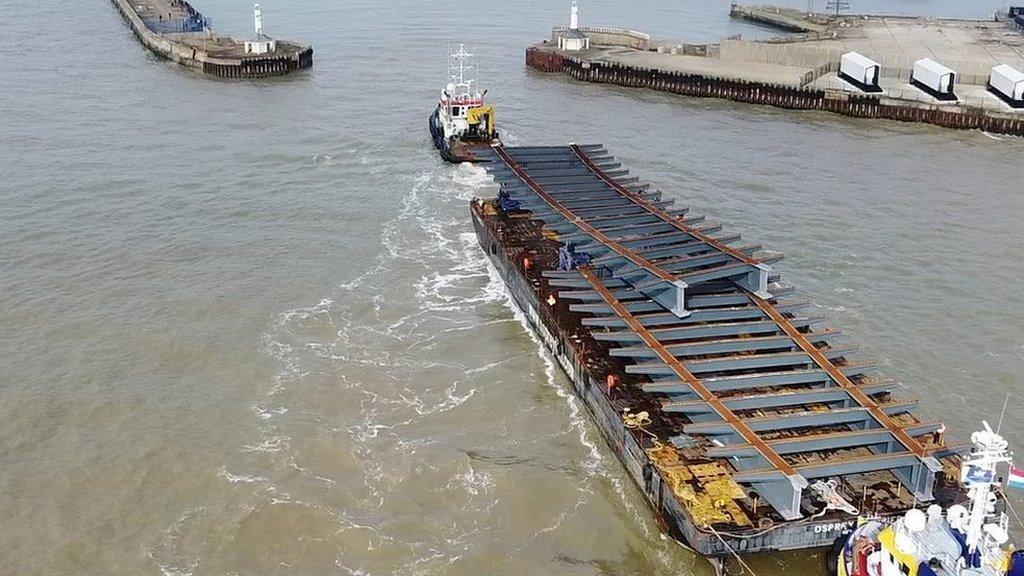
<point x="462" y="124"/>
<point x="968" y="539"/>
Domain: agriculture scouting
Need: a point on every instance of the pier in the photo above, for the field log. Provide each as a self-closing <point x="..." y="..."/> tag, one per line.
<point x="802" y="70"/>
<point x="738" y="414"/>
<point x="175" y="30"/>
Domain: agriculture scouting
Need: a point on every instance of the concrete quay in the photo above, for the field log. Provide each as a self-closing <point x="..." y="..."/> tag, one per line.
<point x="173" y="29"/>
<point x="800" y="71"/>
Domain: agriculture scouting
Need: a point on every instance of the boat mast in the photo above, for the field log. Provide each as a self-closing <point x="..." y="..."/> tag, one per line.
<point x="979" y="476"/>
<point x="457" y="69"/>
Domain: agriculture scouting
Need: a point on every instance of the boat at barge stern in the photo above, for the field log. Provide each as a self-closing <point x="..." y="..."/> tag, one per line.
<point x="745" y="425"/>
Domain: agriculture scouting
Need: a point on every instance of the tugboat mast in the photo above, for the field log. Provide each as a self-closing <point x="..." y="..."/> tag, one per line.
<point x="457" y="66"/>
<point x="979" y="475"/>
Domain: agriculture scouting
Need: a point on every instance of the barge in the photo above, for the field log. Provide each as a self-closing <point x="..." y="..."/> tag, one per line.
<point x="745" y="422"/>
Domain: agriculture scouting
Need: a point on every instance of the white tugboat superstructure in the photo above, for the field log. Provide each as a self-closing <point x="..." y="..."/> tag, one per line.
<point x="462" y="121"/>
<point x="961" y="540"/>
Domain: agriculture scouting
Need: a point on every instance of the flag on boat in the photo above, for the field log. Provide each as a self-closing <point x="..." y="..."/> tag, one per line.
<point x="1015" y="479"/>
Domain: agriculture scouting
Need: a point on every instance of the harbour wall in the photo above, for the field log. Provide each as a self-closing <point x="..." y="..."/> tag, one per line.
<point x="790" y="97"/>
<point x="165" y="46"/>
<point x="789" y="53"/>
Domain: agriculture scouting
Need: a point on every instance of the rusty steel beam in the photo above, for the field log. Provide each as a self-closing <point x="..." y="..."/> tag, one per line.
<point x="778" y="463"/>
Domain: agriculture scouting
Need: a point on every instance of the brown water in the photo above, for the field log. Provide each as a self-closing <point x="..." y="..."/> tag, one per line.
<point x="247" y="330"/>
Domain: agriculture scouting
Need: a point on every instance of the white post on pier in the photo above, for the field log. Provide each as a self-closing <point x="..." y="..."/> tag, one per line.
<point x="261" y="43"/>
<point x="257" y="18"/>
<point x="573" y="40"/>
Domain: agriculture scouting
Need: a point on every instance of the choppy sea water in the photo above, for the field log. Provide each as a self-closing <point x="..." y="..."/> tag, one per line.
<point x="247" y="330"/>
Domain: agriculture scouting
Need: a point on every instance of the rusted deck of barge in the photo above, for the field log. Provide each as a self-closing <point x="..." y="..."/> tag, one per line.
<point x="750" y="402"/>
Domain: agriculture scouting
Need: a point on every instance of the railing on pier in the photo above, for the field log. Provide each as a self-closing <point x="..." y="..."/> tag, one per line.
<point x="195" y="23"/>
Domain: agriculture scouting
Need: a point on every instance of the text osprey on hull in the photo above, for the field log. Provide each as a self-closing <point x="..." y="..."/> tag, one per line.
<point x="462" y="124"/>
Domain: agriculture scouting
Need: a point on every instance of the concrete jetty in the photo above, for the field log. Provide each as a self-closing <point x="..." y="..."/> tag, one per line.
<point x="173" y="29"/>
<point x="801" y="70"/>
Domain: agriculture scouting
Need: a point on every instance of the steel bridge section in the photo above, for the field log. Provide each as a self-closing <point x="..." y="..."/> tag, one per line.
<point x="691" y="314"/>
<point x="555" y="176"/>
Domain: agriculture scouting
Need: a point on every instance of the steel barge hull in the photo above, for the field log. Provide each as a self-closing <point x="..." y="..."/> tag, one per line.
<point x="670" y="513"/>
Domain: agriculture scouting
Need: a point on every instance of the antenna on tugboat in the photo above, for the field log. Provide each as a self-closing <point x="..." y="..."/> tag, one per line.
<point x="999" y="426"/>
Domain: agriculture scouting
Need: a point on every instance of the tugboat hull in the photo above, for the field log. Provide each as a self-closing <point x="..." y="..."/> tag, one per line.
<point x="454" y="150"/>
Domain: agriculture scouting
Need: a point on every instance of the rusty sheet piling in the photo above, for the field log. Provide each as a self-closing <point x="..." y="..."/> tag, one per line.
<point x="544" y="59"/>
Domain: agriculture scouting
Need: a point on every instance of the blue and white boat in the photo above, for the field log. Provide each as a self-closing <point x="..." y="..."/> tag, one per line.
<point x="462" y="123"/>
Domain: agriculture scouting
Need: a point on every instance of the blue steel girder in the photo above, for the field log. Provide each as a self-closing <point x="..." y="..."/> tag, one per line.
<point x="664" y="249"/>
<point x="576" y="191"/>
<point x="734" y="363"/>
<point x="630" y="222"/>
<point x="652" y="226"/>
<point x="724" y="346"/>
<point x="568" y="169"/>
<point x="611" y="221"/>
<point x="696" y="317"/>
<point x="694" y="257"/>
<point x="684" y="396"/>
<point x="580" y="180"/>
<point x="613" y="208"/>
<point x="749" y="276"/>
<point x="705" y="331"/>
<point x="859" y="417"/>
<point x="543" y="151"/>
<point x="591" y="296"/>
<point x="580" y="204"/>
<point x="665" y="241"/>
<point x="765" y="360"/>
<point x="879" y="437"/>
<point x="785" y="398"/>
<point x="917" y="473"/>
<point x="635" y="307"/>
<point x="759" y="380"/>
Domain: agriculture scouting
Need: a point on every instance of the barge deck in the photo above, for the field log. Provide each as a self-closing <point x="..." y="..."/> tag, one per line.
<point x="737" y="415"/>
